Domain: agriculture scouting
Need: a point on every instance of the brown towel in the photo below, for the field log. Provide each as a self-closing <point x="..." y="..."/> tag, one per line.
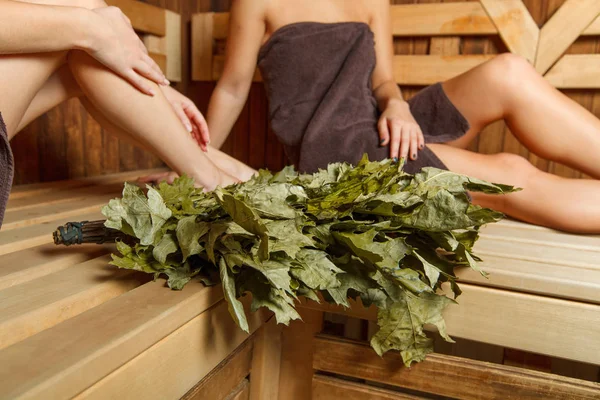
<point x="321" y="103"/>
<point x="6" y="169"/>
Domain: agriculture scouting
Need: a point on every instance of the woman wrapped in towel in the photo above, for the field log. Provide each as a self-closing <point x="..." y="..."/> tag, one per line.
<point x="327" y="68"/>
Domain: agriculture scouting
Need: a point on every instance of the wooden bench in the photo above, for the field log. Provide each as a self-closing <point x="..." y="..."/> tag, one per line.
<point x="160" y="31"/>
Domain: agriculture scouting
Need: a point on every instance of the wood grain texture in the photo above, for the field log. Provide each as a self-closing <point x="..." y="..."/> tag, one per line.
<point x="446" y="375"/>
<point x="326" y="388"/>
<point x="266" y="361"/>
<point x="226" y="377"/>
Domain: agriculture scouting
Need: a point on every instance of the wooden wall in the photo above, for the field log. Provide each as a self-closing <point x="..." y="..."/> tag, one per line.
<point x="67" y="143"/>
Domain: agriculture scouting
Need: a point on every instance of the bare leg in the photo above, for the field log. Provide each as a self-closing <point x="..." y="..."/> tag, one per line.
<point x="548" y="123"/>
<point x="546" y="199"/>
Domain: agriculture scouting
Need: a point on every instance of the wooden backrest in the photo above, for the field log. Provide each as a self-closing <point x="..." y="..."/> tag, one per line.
<point x="160" y="30"/>
<point x="445" y="23"/>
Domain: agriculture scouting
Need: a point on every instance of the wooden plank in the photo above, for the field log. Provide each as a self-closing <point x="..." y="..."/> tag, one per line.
<point x="296" y="371"/>
<point x="463" y="18"/>
<point x="173" y="70"/>
<point x="426" y="70"/>
<point x="565" y="26"/>
<point x="33" y="306"/>
<point x="182" y="357"/>
<point x="36" y="189"/>
<point x="517" y="28"/>
<point x="72" y="356"/>
<point x="63" y="196"/>
<point x="27" y="265"/>
<point x="326" y="388"/>
<point x="454" y="377"/>
<point x="226" y="377"/>
<point x="160" y="60"/>
<point x="576" y="71"/>
<point x="202" y="46"/>
<point x="53" y="212"/>
<point x="242" y="392"/>
<point x="593" y="29"/>
<point x="144" y="17"/>
<point x="266" y="361"/>
<point x="554" y="327"/>
<point x="36" y="235"/>
<point x="221" y="26"/>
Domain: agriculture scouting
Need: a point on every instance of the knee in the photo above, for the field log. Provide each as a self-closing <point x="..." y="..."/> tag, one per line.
<point x="509" y="70"/>
<point x="518" y="168"/>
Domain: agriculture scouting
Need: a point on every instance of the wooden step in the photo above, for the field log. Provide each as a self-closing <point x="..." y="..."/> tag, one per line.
<point x="27" y="265"/>
<point x="326" y="388"/>
<point x="544" y="325"/>
<point x="446" y="376"/>
<point x="39" y="304"/>
<point x="36" y="235"/>
<point x="37" y="189"/>
<point x="74" y="355"/>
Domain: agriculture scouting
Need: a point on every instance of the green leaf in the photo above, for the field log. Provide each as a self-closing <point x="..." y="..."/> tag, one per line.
<point x="145" y="216"/>
<point x="179" y="276"/>
<point x="235" y="307"/>
<point x="401" y="326"/>
<point x="166" y="246"/>
<point x="315" y="270"/>
<point x="189" y="233"/>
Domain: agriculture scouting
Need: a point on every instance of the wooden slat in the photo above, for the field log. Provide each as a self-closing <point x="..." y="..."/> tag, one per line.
<point x="27" y="265"/>
<point x="464" y="18"/>
<point x="182" y="357"/>
<point x="266" y="361"/>
<point x="144" y="17"/>
<point x="36" y="235"/>
<point x="446" y="375"/>
<point x="554" y="327"/>
<point x="296" y="371"/>
<point x="221" y="26"/>
<point x="173" y="70"/>
<point x="160" y="60"/>
<point x="226" y="377"/>
<point x="517" y="28"/>
<point x="242" y="392"/>
<point x="576" y="71"/>
<point x="63" y="196"/>
<point x="426" y="70"/>
<point x="565" y="26"/>
<point x="202" y="46"/>
<point x="53" y="212"/>
<point x="593" y="29"/>
<point x="36" y="189"/>
<point x="73" y="355"/>
<point x="326" y="388"/>
<point x="33" y="306"/>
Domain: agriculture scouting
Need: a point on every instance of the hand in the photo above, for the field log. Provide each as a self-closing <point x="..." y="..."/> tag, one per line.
<point x="189" y="115"/>
<point x="398" y="128"/>
<point x="119" y="48"/>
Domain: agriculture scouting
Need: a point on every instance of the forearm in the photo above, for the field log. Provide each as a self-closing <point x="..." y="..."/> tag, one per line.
<point x="56" y="28"/>
<point x="387" y="93"/>
<point x="223" y="111"/>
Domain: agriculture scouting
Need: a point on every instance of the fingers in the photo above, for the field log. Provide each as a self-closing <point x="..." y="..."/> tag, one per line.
<point x="405" y="139"/>
<point x="420" y="139"/>
<point x="140" y="83"/>
<point x="148" y="70"/>
<point x="384" y="132"/>
<point x="414" y="144"/>
<point x="184" y="118"/>
<point x="199" y="121"/>
<point x="396" y="139"/>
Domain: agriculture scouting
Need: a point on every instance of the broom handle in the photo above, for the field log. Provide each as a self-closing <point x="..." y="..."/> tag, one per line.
<point x="86" y="232"/>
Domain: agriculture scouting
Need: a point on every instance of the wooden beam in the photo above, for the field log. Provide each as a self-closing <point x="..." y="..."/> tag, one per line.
<point x="561" y="31"/>
<point x="202" y="46"/>
<point x="37" y="305"/>
<point x="426" y="70"/>
<point x="455" y="377"/>
<point x="145" y="18"/>
<point x="576" y="71"/>
<point x="70" y="357"/>
<point x="296" y="372"/>
<point x="517" y="28"/>
<point x="266" y="361"/>
<point x="464" y="18"/>
<point x="326" y="388"/>
<point x="189" y="353"/>
<point x="554" y="327"/>
<point x="159" y="59"/>
<point x="226" y="376"/>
